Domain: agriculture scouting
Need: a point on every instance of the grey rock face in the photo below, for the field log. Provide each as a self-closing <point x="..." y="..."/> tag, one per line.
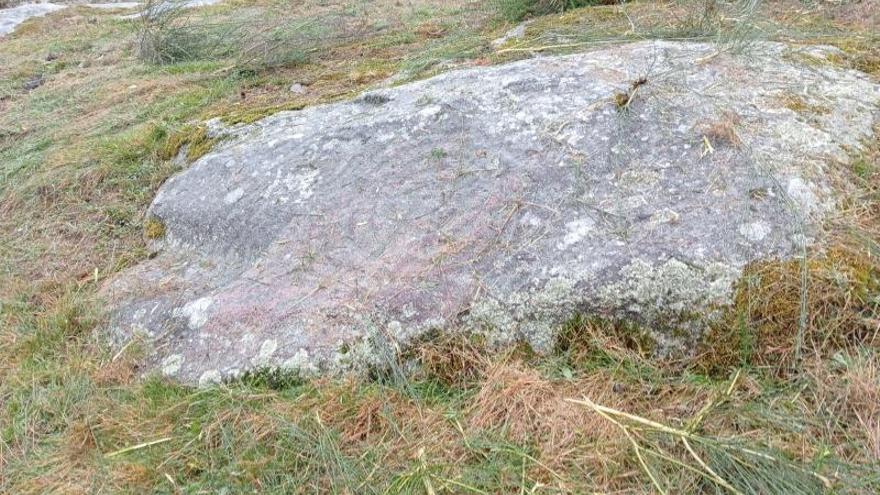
<point x="13" y="16"/>
<point x="501" y="200"/>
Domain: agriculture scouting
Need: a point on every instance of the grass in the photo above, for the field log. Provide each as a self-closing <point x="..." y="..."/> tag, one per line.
<point x="81" y="157"/>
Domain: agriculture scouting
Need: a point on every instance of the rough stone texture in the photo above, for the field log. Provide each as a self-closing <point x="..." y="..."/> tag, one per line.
<point x="12" y="17"/>
<point x="502" y="200"/>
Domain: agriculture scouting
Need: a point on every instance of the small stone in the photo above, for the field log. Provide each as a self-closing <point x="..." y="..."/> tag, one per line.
<point x="297" y="88"/>
<point x="34" y="82"/>
<point x="664" y="216"/>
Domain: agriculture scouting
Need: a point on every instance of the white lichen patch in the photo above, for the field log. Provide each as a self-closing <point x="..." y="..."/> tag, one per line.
<point x="210" y="377"/>
<point x="196" y="312"/>
<point x="264" y="355"/>
<point x="670" y="288"/>
<point x="576" y="231"/>
<point x="532" y="316"/>
<point x="755" y="231"/>
<point x="801" y="195"/>
<point x="298" y="186"/>
<point x="302" y="184"/>
<point x="171" y="364"/>
<point x="300" y="363"/>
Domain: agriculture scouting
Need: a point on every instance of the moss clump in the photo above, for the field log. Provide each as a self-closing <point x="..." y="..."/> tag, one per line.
<point x="272" y="379"/>
<point x="252" y="115"/>
<point x="154" y="228"/>
<point x="860" y="55"/>
<point x="764" y="323"/>
<point x="196" y="140"/>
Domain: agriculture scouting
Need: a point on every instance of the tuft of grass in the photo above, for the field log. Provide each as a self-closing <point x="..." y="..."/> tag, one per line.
<point x="797" y="104"/>
<point x="730" y="466"/>
<point x="455" y="361"/>
<point x="722" y="130"/>
<point x="597" y="340"/>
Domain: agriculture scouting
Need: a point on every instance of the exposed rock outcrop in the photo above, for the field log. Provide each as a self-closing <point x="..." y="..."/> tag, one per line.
<point x="630" y="182"/>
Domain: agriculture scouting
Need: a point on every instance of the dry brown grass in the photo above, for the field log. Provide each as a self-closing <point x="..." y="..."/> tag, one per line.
<point x="721" y="131"/>
<point x="454" y="360"/>
<point x="849" y="390"/>
<point x="862" y="400"/>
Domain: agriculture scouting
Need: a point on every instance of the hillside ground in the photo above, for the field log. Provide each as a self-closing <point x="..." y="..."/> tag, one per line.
<point x="783" y="396"/>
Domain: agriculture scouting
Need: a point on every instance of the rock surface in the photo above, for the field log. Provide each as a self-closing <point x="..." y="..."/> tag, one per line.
<point x="12" y="17"/>
<point x="501" y="200"/>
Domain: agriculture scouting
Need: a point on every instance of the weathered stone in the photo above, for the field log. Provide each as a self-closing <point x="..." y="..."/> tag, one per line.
<point x="501" y="200"/>
<point x="13" y="16"/>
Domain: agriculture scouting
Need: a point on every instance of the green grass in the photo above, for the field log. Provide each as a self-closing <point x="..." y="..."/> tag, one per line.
<point x="82" y="156"/>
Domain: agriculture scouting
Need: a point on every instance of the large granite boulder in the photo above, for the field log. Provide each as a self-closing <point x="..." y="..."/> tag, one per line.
<point x="630" y="182"/>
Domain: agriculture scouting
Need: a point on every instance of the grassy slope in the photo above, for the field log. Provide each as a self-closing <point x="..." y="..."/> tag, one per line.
<point x="81" y="156"/>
